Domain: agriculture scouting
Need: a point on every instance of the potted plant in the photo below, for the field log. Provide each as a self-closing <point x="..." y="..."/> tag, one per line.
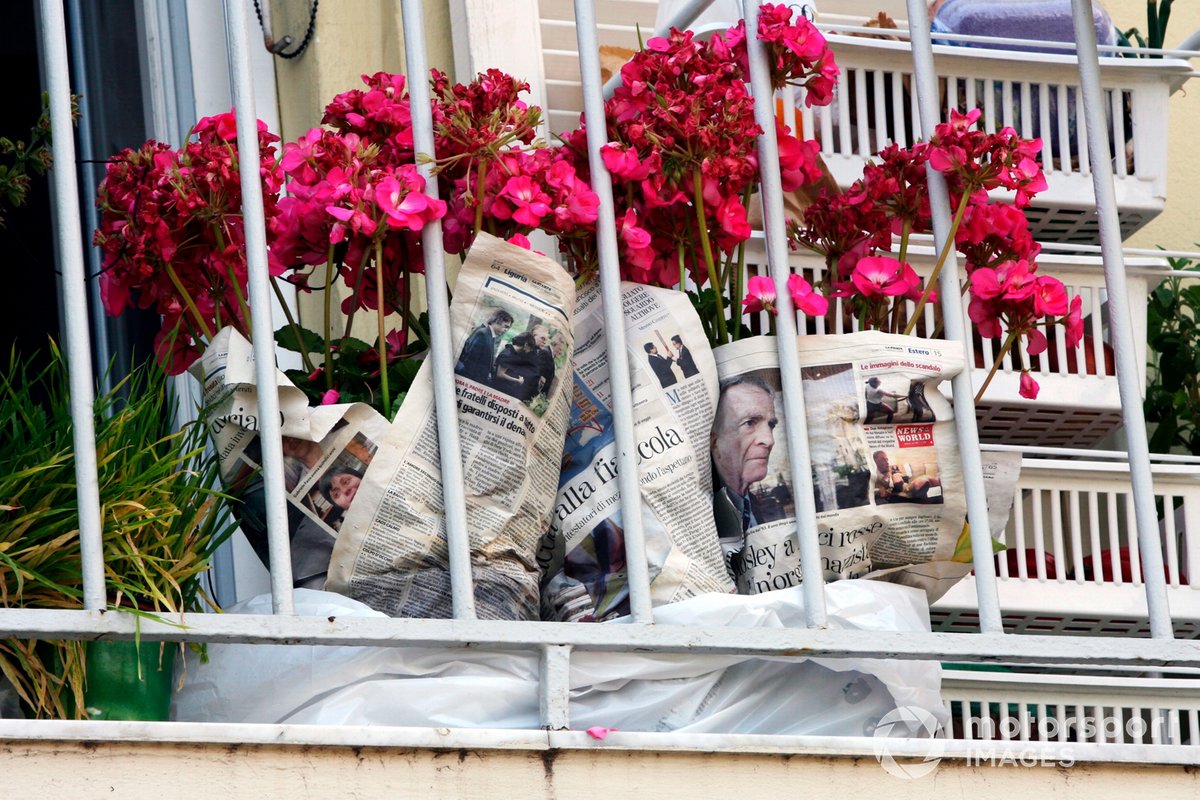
<point x="162" y="522"/>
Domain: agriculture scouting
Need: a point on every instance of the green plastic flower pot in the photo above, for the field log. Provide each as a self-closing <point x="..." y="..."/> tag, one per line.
<point x="129" y="681"/>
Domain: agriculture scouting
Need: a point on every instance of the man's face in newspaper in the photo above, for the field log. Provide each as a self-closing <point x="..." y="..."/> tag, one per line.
<point x="743" y="436"/>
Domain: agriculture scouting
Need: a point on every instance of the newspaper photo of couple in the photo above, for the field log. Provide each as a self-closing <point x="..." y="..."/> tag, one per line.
<point x="514" y="352"/>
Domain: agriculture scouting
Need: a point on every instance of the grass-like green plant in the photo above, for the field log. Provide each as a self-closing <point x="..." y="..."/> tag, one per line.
<point x="162" y="515"/>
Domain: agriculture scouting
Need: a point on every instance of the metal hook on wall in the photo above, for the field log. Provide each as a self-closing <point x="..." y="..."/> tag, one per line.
<point x="279" y="48"/>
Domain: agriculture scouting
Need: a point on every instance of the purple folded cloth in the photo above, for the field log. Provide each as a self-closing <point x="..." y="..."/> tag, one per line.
<point x="1017" y="20"/>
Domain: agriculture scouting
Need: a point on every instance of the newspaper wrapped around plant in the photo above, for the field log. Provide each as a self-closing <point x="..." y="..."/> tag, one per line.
<point x="325" y="449"/>
<point x="511" y="329"/>
<point x="886" y="475"/>
<point x="674" y="398"/>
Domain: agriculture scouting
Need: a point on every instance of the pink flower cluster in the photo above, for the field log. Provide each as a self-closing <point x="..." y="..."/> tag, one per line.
<point x="1008" y="298"/>
<point x="171" y="234"/>
<point x="171" y="226"/>
<point x="681" y="145"/>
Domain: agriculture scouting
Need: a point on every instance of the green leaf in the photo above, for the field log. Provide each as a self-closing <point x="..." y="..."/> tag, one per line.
<point x="310" y="342"/>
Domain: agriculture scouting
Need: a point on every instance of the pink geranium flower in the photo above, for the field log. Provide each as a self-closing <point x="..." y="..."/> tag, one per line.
<point x="880" y="275"/>
<point x="804" y="298"/>
<point x="1029" y="387"/>
<point x="760" y="295"/>
<point x="1074" y="322"/>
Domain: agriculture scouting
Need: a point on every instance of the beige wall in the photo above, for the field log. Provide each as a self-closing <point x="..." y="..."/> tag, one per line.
<point x="1178" y="227"/>
<point x="352" y="38"/>
<point x="154" y="771"/>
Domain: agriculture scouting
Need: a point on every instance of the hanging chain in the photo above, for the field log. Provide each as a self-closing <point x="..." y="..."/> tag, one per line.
<point x="278" y="48"/>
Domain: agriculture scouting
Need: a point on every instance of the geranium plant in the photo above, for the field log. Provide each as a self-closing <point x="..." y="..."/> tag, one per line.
<point x="353" y="206"/>
<point x="681" y="150"/>
<point x="855" y="232"/>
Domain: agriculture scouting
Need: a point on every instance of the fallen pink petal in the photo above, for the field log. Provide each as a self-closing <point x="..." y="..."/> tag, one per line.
<point x="599" y="733"/>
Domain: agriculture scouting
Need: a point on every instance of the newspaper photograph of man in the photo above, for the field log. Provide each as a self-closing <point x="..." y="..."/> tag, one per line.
<point x="477" y="361"/>
<point x="743" y="437"/>
<point x="661" y="365"/>
<point x="908" y="475"/>
<point x="683" y="358"/>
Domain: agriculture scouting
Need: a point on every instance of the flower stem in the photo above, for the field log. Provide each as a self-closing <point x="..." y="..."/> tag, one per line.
<point x="187" y="300"/>
<point x="354" y="300"/>
<point x="898" y="302"/>
<point x="479" y="197"/>
<point x="706" y="248"/>
<point x="937" y="268"/>
<point x="735" y="297"/>
<point x="379" y="319"/>
<point x="287" y="312"/>
<point x="237" y="286"/>
<point x="682" y="267"/>
<point x="1008" y="343"/>
<point x="328" y="366"/>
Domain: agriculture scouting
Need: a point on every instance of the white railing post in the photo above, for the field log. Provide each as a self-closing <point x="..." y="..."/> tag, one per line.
<point x="1119" y="323"/>
<point x="925" y="78"/>
<point x="614" y="319"/>
<point x="270" y="427"/>
<point x="73" y="282"/>
<point x="799" y="456"/>
<point x="445" y="402"/>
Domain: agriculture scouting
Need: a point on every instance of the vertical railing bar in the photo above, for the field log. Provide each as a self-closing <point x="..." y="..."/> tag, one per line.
<point x="554" y="687"/>
<point x="897" y="109"/>
<point x="925" y="80"/>
<point x="614" y="319"/>
<point x="843" y="109"/>
<point x="1064" y="130"/>
<point x="1168" y="502"/>
<point x="1056" y="532"/>
<point x="1076" y="531"/>
<point x="1039" y="536"/>
<point x="1094" y="526"/>
<point x="1114" y="544"/>
<point x="278" y="537"/>
<point x="799" y="457"/>
<point x="860" y="113"/>
<point x="445" y="401"/>
<point x="73" y="290"/>
<point x="91" y="216"/>
<point x="1047" y="154"/>
<point x="881" y="117"/>
<point x="1120" y="325"/>
<point x="1117" y="98"/>
<point x="1081" y="139"/>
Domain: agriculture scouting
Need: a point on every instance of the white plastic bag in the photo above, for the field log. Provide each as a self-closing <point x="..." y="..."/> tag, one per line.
<point x="467" y="688"/>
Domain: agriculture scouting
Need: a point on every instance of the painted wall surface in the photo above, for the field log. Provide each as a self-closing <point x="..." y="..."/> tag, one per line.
<point x="1178" y="227"/>
<point x="153" y="771"/>
<point x="352" y="38"/>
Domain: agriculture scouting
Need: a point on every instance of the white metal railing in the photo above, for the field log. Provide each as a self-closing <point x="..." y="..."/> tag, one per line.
<point x="554" y="642"/>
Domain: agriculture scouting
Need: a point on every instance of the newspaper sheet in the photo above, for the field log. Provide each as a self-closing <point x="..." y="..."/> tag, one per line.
<point x="674" y="399"/>
<point x="886" y="477"/>
<point x="324" y="449"/>
<point x="511" y="328"/>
